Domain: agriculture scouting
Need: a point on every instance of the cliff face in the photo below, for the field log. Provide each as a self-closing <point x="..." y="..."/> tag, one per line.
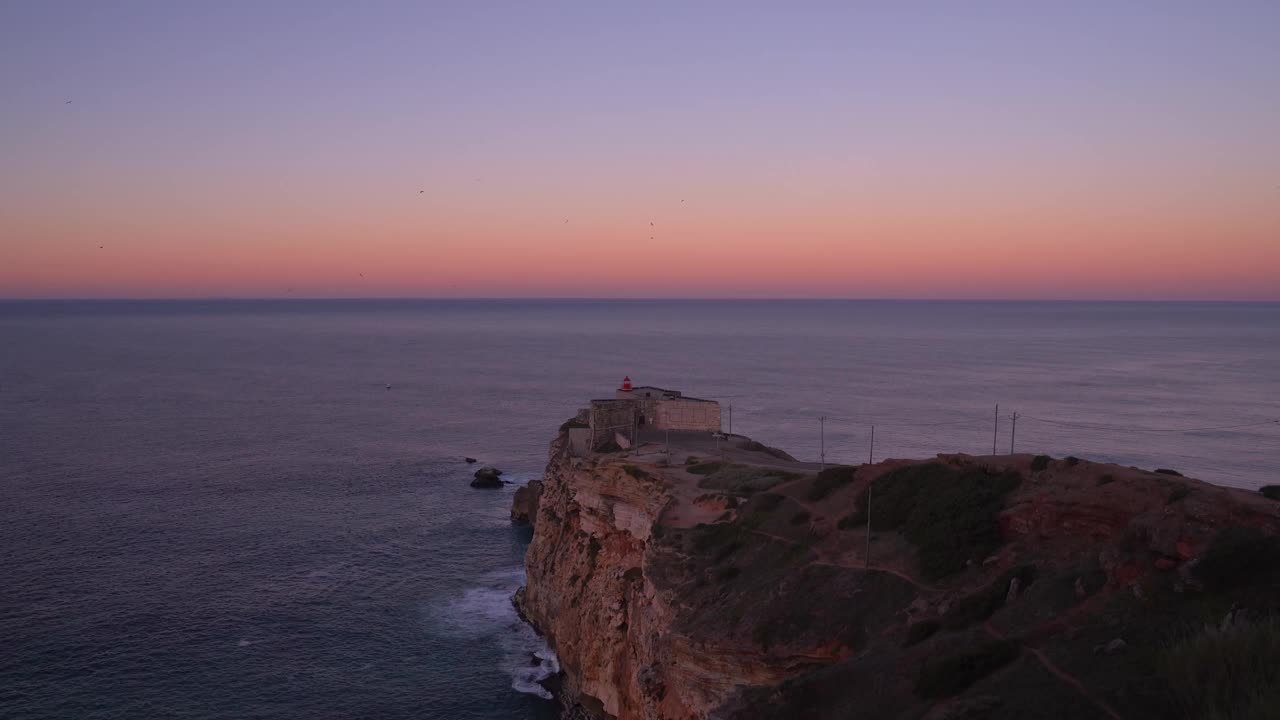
<point x="524" y="504"/>
<point x="746" y="587"/>
<point x="589" y="593"/>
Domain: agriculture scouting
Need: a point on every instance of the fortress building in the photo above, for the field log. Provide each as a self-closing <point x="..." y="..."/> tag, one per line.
<point x="635" y="409"/>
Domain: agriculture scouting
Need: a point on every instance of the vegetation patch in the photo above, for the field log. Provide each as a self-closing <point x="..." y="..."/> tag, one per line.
<point x="691" y="460"/>
<point x="831" y="479"/>
<point x="636" y="472"/>
<point x="951" y="675"/>
<point x="1270" y="491"/>
<point x="755" y="446"/>
<point x="800" y="518"/>
<point x="1040" y="462"/>
<point x="1177" y="493"/>
<point x="571" y="424"/>
<point x="1167" y="471"/>
<point x="1106" y="479"/>
<point x="851" y="521"/>
<point x="1225" y="672"/>
<point x="740" y="479"/>
<point x="725" y="551"/>
<point x="950" y="514"/>
<point x="766" y="503"/>
<point x="1071" y="460"/>
<point x="727" y="573"/>
<point x="981" y="605"/>
<point x="921" y="631"/>
<point x="705" y="468"/>
<point x="1240" y="557"/>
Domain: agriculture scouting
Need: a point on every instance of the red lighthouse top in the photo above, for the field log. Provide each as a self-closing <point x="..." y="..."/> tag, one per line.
<point x="626" y="383"/>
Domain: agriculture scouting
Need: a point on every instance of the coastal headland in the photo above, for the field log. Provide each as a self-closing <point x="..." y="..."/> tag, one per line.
<point x="698" y="575"/>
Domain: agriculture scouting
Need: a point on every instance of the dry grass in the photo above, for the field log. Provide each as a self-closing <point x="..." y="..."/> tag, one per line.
<point x="1225" y="674"/>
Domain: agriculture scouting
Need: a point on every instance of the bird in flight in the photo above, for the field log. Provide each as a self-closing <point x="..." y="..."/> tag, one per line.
<point x="421" y="191"/>
<point x="566" y="221"/>
<point x="68" y="102"/>
<point x="650" y="223"/>
<point x="99" y="247"/>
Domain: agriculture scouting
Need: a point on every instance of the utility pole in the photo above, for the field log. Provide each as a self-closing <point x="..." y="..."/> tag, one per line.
<point x="1013" y="433"/>
<point x="995" y="430"/>
<point x="730" y="418"/>
<point x="822" y="441"/>
<point x="668" y="445"/>
<point x="871" y="453"/>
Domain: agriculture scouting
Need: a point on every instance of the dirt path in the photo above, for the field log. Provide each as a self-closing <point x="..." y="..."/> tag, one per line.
<point x="1059" y="673"/>
<point x="1039" y="654"/>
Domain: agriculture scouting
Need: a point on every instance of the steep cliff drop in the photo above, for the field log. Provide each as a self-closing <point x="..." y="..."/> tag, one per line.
<point x="723" y="579"/>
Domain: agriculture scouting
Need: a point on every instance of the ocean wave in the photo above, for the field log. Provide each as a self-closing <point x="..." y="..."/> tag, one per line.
<point x="484" y="612"/>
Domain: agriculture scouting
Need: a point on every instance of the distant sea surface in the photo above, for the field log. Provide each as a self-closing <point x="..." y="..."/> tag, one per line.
<point x="220" y="510"/>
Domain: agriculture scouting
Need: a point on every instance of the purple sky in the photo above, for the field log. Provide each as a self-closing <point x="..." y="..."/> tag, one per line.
<point x="830" y="149"/>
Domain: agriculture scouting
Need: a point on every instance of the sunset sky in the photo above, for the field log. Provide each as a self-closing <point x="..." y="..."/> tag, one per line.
<point x="888" y="150"/>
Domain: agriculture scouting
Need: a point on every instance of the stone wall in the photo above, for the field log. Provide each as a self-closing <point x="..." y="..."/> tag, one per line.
<point x="609" y="417"/>
<point x="580" y="440"/>
<point x="687" y="414"/>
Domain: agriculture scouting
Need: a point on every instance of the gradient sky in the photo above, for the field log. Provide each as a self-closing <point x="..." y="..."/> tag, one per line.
<point x="895" y="150"/>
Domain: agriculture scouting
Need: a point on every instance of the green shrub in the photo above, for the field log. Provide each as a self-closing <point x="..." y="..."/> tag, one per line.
<point x="742" y="479"/>
<point x="724" y="552"/>
<point x="1106" y="479"/>
<point x="572" y="423"/>
<point x="706" y="468"/>
<point x="1225" y="673"/>
<point x="1167" y="471"/>
<point x="1240" y="557"/>
<point x="950" y="514"/>
<point x="951" y="675"/>
<point x="1270" y="491"/>
<point x="1177" y="493"/>
<point x="829" y="480"/>
<point x="800" y="518"/>
<point x="691" y="460"/>
<point x="921" y="631"/>
<point x="767" y="502"/>
<point x="1040" y="462"/>
<point x="755" y="446"/>
<point x="851" y="521"/>
<point x="638" y="473"/>
<point x="1072" y="460"/>
<point x="727" y="573"/>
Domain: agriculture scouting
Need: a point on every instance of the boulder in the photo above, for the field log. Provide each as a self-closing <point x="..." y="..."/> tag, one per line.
<point x="469" y="460"/>
<point x="487" y="477"/>
<point x="1115" y="647"/>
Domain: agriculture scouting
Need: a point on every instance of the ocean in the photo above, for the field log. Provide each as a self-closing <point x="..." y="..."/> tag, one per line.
<point x="259" y="509"/>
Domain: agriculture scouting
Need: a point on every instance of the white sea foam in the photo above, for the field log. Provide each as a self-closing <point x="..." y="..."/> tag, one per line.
<point x="485" y="612"/>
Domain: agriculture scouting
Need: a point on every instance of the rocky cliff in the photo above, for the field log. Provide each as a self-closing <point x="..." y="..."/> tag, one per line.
<point x="749" y="586"/>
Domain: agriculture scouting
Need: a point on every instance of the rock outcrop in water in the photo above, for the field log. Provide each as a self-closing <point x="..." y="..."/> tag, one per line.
<point x="487" y="477"/>
<point x="746" y="587"/>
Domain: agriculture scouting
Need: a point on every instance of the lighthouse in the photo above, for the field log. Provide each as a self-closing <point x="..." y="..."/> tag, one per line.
<point x="626" y="383"/>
